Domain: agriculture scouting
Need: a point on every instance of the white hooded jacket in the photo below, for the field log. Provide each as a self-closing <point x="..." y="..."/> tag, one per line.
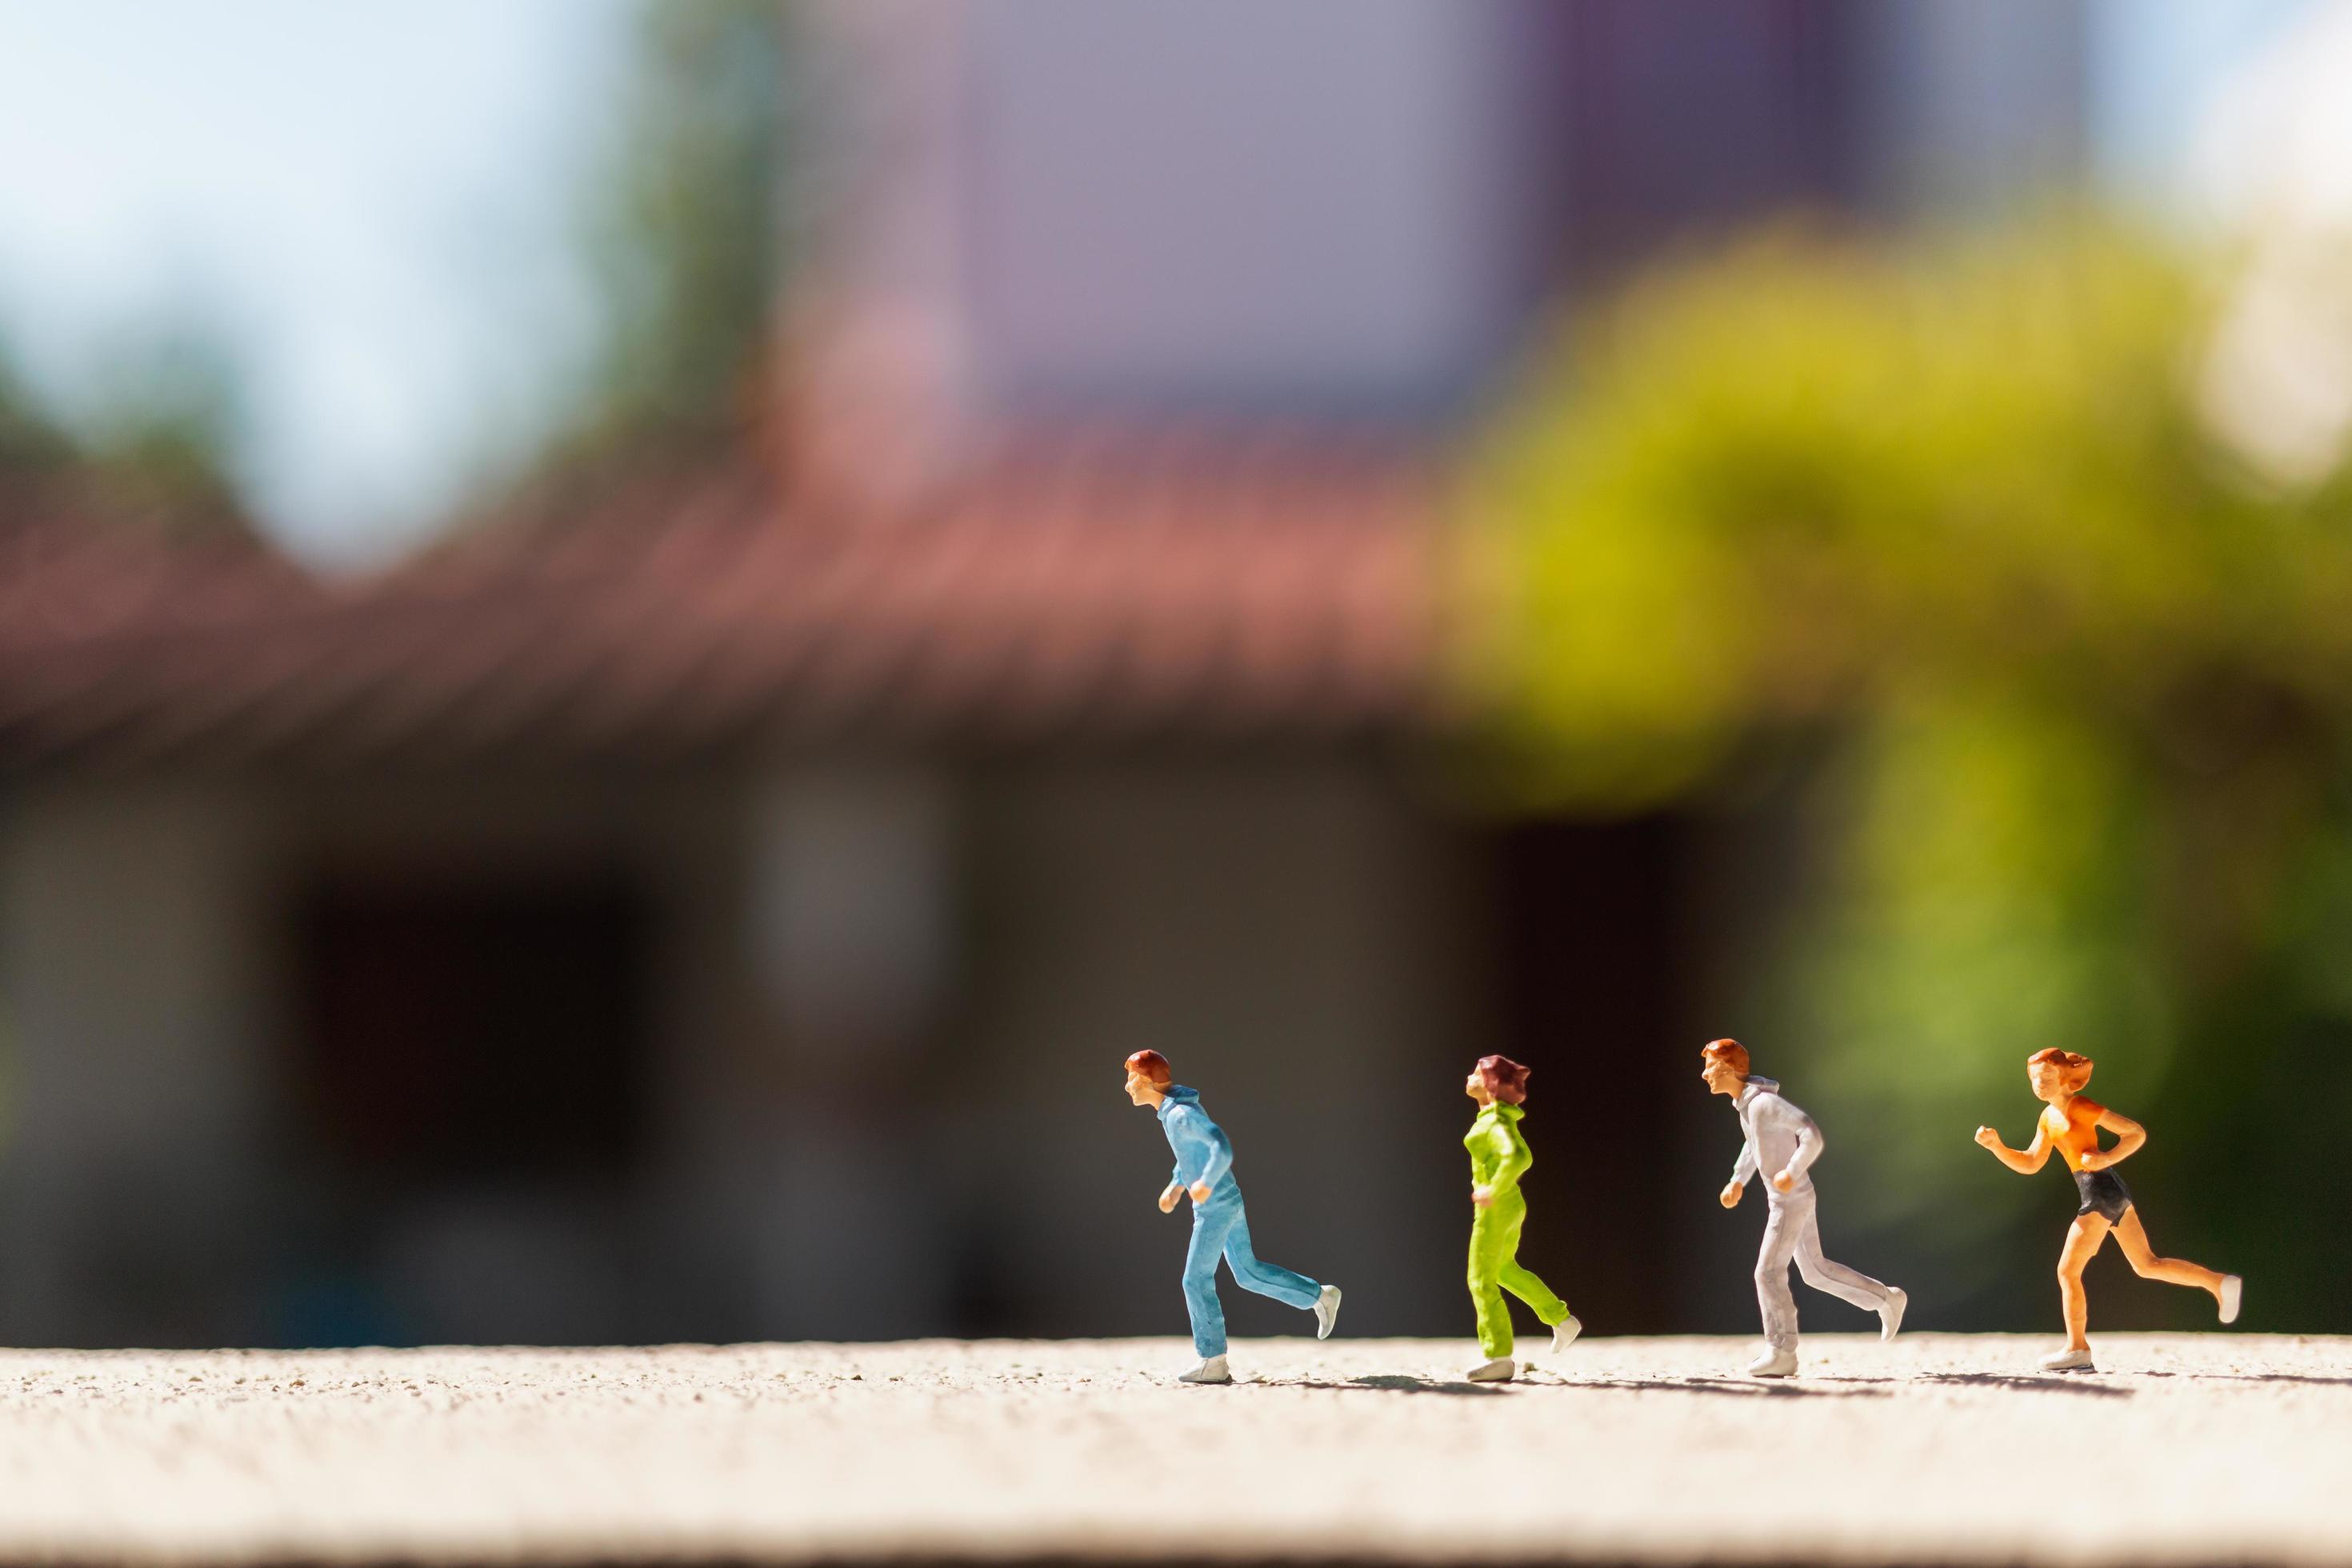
<point x="1779" y="1137"/>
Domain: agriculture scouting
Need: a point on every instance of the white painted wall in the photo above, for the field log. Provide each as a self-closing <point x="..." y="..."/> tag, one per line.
<point x="1971" y="105"/>
<point x="1227" y="208"/>
<point x="135" y="1091"/>
<point x="1262" y="206"/>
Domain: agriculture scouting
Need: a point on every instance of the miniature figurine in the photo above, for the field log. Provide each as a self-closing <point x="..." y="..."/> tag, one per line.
<point x="1204" y="1169"/>
<point x="1498" y="1158"/>
<point x="1784" y="1141"/>
<point x="2071" y="1125"/>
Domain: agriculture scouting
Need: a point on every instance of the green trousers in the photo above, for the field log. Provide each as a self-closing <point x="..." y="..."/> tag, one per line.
<point x="1495" y="1268"/>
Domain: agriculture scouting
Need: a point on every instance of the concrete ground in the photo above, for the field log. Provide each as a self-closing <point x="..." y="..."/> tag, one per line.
<point x="1940" y="1449"/>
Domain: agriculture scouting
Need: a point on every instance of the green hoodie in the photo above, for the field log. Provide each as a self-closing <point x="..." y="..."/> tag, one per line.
<point x="1498" y="1155"/>
<point x="1498" y="1158"/>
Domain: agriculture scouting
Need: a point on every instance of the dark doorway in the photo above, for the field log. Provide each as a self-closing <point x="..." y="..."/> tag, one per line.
<point x="1594" y="988"/>
<point x="472" y="1030"/>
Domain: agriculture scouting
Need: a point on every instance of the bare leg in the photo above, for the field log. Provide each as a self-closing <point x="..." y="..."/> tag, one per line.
<point x="2132" y="1236"/>
<point x="2083" y="1240"/>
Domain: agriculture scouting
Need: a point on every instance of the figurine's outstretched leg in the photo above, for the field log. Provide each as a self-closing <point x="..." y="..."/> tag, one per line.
<point x="2132" y="1236"/>
<point x="1495" y="1268"/>
<point x="1825" y="1274"/>
<point x="1292" y="1290"/>
<point x="1521" y="1281"/>
<point x="1549" y="1310"/>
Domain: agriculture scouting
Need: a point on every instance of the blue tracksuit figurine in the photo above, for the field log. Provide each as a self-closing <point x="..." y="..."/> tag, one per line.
<point x="1205" y="1168"/>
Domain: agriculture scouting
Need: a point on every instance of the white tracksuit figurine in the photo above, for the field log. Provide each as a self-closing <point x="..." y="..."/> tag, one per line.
<point x="1784" y="1140"/>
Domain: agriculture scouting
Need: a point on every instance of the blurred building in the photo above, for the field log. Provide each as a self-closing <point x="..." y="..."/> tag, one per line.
<point x="718" y="908"/>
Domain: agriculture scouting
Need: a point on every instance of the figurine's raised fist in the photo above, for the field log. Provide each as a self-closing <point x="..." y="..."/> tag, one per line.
<point x="1729" y="1196"/>
<point x="1987" y="1137"/>
<point x="1482" y="1196"/>
<point x="1199" y="1192"/>
<point x="1784" y="1181"/>
<point x="2094" y="1162"/>
<point x="1168" y="1197"/>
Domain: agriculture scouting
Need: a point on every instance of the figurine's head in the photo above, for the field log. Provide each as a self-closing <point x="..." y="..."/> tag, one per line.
<point x="1497" y="1077"/>
<point x="1147" y="1078"/>
<point x="1723" y="1065"/>
<point x="2057" y="1075"/>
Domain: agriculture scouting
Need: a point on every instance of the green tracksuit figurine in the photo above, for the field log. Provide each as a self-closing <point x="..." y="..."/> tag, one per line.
<point x="1498" y="1158"/>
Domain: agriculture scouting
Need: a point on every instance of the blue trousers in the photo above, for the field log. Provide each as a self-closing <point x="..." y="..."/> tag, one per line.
<point x="1220" y="1229"/>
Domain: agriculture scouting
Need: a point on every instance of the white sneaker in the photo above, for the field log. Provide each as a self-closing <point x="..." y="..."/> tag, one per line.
<point x="1327" y="1310"/>
<point x="2233" y="1289"/>
<point x="1773" y="1363"/>
<point x="1209" y="1370"/>
<point x="2069" y="1361"/>
<point x="1564" y="1333"/>
<point x="1890" y="1312"/>
<point x="1500" y="1370"/>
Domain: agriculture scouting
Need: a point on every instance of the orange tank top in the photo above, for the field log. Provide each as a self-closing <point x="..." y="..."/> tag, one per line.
<point x="2073" y="1132"/>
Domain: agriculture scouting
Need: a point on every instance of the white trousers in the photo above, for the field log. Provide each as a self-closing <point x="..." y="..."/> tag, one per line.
<point x="1792" y="1233"/>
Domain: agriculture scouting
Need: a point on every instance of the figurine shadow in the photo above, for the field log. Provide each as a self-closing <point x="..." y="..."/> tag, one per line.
<point x="1746" y="1388"/>
<point x="2254" y="1377"/>
<point x="1407" y="1383"/>
<point x="1396" y="1383"/>
<point x="1725" y="1387"/>
<point x="2071" y="1383"/>
<point x="1848" y="1387"/>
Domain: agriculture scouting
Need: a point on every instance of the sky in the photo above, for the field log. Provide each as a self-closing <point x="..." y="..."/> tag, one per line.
<point x="368" y="200"/>
<point x="2157" y="66"/>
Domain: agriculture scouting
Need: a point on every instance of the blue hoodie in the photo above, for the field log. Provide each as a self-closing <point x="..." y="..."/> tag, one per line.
<point x="1202" y="1153"/>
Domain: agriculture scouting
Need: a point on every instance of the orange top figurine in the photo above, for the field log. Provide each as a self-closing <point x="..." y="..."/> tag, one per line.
<point x="2071" y="1125"/>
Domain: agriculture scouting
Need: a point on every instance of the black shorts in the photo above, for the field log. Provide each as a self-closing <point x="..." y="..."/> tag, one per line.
<point x="2103" y="1194"/>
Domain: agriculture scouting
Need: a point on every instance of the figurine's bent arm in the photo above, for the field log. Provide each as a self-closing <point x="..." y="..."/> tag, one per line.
<point x="1516" y="1158"/>
<point x="1180" y="1123"/>
<point x="1220" y="1159"/>
<point x="1808" y="1148"/>
<point x="1744" y="1166"/>
<point x="2129" y="1136"/>
<point x="2025" y="1161"/>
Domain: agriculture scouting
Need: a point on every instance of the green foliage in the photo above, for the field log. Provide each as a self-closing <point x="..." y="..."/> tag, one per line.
<point x="1809" y="479"/>
<point x="1944" y="518"/>
<point x="150" y="446"/>
<point x="29" y="438"/>
<point x="684" y="236"/>
<point x="1988" y="897"/>
<point x="159" y="437"/>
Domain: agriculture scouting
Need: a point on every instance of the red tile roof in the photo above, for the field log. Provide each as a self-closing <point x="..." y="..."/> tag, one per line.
<point x="1109" y="589"/>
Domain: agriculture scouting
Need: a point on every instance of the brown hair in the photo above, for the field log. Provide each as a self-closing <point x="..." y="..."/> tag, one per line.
<point x="1153" y="1066"/>
<point x="1506" y="1080"/>
<point x="2077" y="1069"/>
<point x="1730" y="1053"/>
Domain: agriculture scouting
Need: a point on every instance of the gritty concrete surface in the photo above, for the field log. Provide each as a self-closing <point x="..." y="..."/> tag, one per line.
<point x="1942" y="1450"/>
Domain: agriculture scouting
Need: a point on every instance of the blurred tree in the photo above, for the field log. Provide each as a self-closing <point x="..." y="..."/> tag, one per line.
<point x="684" y="233"/>
<point x="29" y="438"/>
<point x="2074" y="694"/>
<point x="152" y="445"/>
<point x="159" y="437"/>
